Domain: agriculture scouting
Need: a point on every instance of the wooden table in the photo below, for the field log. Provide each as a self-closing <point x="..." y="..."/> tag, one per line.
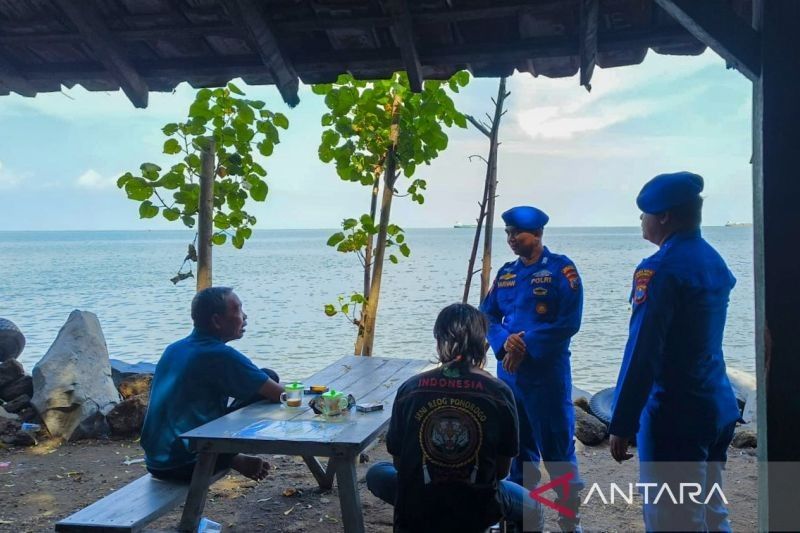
<point x="267" y="428"/>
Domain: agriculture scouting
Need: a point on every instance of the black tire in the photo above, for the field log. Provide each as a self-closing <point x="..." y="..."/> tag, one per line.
<point x="12" y="341"/>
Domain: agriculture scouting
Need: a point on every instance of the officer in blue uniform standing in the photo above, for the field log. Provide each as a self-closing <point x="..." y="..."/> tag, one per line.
<point x="534" y="309"/>
<point x="673" y="392"/>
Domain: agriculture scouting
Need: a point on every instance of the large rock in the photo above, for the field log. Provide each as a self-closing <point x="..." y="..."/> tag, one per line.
<point x="745" y="437"/>
<point x="5" y="415"/>
<point x="19" y="387"/>
<point x="127" y="417"/>
<point x="73" y="389"/>
<point x="12" y="341"/>
<point x="135" y="385"/>
<point x="10" y="370"/>
<point x="589" y="429"/>
<point x="120" y="370"/>
<point x="17" y="404"/>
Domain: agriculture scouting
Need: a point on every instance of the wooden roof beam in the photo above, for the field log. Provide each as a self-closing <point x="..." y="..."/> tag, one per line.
<point x="404" y="32"/>
<point x="104" y="48"/>
<point x="716" y="25"/>
<point x="248" y="13"/>
<point x="587" y="43"/>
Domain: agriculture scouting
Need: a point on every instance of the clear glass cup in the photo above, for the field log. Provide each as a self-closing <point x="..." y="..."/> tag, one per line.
<point x="293" y="397"/>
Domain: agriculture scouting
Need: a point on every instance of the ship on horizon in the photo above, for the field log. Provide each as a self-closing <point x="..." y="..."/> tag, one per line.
<point x="730" y="224"/>
<point x="461" y="225"/>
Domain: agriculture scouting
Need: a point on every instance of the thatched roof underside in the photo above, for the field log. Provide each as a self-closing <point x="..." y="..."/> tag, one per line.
<point x="153" y="45"/>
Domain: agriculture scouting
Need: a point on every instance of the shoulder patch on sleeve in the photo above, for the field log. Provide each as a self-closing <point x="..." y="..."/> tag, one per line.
<point x="641" y="279"/>
<point x="571" y="273"/>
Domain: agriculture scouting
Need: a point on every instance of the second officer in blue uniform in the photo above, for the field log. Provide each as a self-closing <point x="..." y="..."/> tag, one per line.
<point x="534" y="309"/>
<point x="673" y="392"/>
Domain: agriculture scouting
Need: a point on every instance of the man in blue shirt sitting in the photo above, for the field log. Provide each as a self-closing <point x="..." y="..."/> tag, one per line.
<point x="193" y="382"/>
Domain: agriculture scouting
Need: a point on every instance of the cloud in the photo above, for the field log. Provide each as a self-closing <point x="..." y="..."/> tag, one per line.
<point x="561" y="109"/>
<point x="91" y="179"/>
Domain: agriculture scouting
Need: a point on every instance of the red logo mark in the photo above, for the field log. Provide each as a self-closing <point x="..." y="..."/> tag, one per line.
<point x="564" y="480"/>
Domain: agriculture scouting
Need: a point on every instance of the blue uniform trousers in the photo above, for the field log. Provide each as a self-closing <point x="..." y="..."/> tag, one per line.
<point x="667" y="458"/>
<point x="546" y="428"/>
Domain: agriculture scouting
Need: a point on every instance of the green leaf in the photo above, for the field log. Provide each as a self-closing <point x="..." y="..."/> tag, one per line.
<point x="346" y="308"/>
<point x="235" y="90"/>
<point x="330" y="310"/>
<point x="393" y="259"/>
<point x="335" y="239"/>
<point x="266" y="148"/>
<point x="349" y="223"/>
<point x="170" y="129"/>
<point x="218" y="239"/>
<point x="221" y="221"/>
<point x="258" y="189"/>
<point x="462" y="78"/>
<point x="322" y="88"/>
<point x="281" y="121"/>
<point x="188" y="221"/>
<point x="147" y="209"/>
<point x="172" y="146"/>
<point x="409" y="168"/>
<point x="405" y="250"/>
<point x="150" y="171"/>
<point x="122" y="180"/>
<point x="460" y="120"/>
<point x="138" y="189"/>
<point x="237" y="241"/>
<point x="357" y="298"/>
<point x="172" y="214"/>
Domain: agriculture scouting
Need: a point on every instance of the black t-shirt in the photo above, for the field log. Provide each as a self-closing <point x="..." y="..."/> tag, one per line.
<point x="447" y="429"/>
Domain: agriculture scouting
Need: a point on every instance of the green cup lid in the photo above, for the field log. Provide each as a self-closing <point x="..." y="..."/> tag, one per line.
<point x="332" y="394"/>
<point x="294" y="385"/>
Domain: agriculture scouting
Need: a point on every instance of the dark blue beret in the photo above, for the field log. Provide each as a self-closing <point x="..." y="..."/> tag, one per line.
<point x="666" y="191"/>
<point x="525" y="217"/>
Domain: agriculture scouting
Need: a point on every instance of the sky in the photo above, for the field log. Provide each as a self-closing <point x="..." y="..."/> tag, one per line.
<point x="580" y="156"/>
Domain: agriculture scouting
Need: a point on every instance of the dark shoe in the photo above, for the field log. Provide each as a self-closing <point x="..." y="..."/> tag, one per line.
<point x="566" y="523"/>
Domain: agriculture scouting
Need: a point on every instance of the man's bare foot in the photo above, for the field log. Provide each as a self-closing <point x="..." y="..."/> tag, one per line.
<point x="250" y="466"/>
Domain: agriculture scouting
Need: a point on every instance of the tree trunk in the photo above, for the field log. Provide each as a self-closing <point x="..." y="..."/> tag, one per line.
<point x="476" y="240"/>
<point x="486" y="269"/>
<point x="390" y="176"/>
<point x="367" y="268"/>
<point x="205" y="216"/>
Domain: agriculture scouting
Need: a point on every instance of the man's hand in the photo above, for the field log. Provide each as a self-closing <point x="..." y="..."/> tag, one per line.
<point x="515" y="352"/>
<point x="514" y="343"/>
<point x="619" y="448"/>
<point x="512" y="360"/>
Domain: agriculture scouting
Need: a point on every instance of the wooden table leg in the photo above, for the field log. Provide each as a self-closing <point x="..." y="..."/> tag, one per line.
<point x="323" y="475"/>
<point x="349" y="499"/>
<point x="198" y="489"/>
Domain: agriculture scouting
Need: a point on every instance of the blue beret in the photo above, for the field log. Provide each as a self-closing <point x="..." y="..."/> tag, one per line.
<point x="525" y="217"/>
<point x="666" y="191"/>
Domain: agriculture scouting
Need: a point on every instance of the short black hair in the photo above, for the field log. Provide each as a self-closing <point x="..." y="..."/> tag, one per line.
<point x="460" y="330"/>
<point x="689" y="214"/>
<point x="207" y="303"/>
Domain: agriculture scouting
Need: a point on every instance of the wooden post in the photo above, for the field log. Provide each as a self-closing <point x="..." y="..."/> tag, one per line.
<point x="776" y="190"/>
<point x="205" y="216"/>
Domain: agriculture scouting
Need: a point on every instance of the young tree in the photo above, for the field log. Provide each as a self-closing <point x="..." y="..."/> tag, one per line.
<point x="487" y="203"/>
<point x="376" y="132"/>
<point x="227" y="127"/>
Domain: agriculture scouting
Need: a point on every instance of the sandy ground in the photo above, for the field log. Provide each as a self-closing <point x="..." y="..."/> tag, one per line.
<point x="47" y="482"/>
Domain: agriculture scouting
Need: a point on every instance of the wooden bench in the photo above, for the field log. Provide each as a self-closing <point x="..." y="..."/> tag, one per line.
<point x="130" y="508"/>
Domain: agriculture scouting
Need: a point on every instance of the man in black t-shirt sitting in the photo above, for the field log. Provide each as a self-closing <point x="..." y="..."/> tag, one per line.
<point x="453" y="433"/>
